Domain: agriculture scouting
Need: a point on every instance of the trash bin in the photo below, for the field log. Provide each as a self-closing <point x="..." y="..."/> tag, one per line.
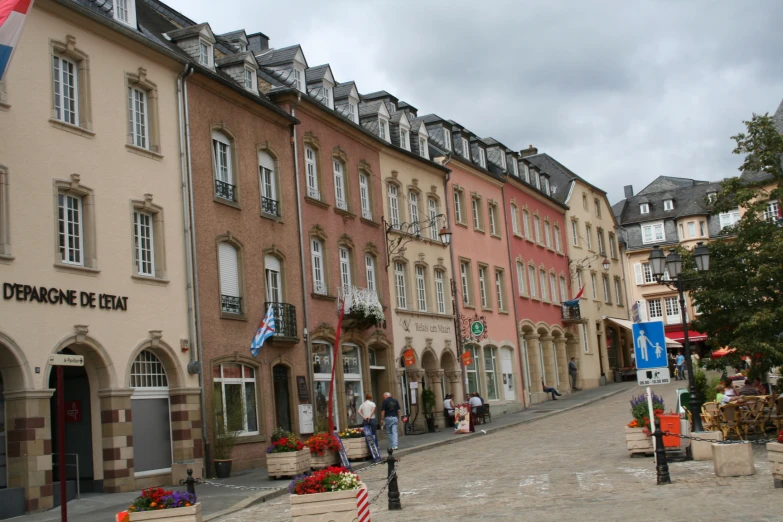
<point x="670" y="422"/>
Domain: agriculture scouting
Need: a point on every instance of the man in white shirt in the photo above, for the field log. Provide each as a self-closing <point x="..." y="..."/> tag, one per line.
<point x="367" y="413"/>
<point x="475" y="400"/>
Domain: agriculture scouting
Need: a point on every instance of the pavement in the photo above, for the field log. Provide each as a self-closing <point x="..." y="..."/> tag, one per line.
<point x="570" y="464"/>
<point x="238" y="492"/>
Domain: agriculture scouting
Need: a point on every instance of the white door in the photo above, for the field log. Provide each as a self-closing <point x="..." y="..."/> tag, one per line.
<point x="508" y="374"/>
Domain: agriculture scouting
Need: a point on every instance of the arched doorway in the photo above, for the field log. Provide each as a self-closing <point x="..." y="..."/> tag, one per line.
<point x="151" y="414"/>
<point x="281" y="383"/>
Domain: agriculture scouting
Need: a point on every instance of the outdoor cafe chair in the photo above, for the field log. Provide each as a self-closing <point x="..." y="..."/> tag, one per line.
<point x="710" y="415"/>
<point x="752" y="415"/>
<point x="729" y="420"/>
<point x="776" y="417"/>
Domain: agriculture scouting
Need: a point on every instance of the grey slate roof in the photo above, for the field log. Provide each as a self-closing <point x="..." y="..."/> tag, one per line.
<point x="233" y="58"/>
<point x="663" y="183"/>
<point x="689" y="197"/>
<point x="107" y="6"/>
<point x="405" y="105"/>
<point x="193" y="30"/>
<point x="343" y="90"/>
<point x="317" y="73"/>
<point x="278" y="56"/>
<point x="378" y="95"/>
<point x="370" y="108"/>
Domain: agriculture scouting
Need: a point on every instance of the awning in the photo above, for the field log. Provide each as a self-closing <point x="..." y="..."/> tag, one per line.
<point x="717" y="354"/>
<point x="628" y="325"/>
<point x="679" y="336"/>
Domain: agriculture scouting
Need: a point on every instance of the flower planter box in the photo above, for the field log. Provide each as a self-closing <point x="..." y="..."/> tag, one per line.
<point x="288" y="464"/>
<point x="775" y="456"/>
<point x="337" y="506"/>
<point x="329" y="458"/>
<point x="637" y="441"/>
<point x="356" y="448"/>
<point x="733" y="460"/>
<point x="184" y="514"/>
<point x="703" y="450"/>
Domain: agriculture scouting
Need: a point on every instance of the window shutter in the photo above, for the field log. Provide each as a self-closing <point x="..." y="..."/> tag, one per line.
<point x="266" y="161"/>
<point x="272" y="263"/>
<point x="637" y="270"/>
<point x="229" y="270"/>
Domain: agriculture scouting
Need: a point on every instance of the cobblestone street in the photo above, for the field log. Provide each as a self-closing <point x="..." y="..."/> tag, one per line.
<point x="568" y="466"/>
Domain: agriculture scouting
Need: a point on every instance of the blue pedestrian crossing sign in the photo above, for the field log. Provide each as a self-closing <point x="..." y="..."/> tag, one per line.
<point x="649" y="343"/>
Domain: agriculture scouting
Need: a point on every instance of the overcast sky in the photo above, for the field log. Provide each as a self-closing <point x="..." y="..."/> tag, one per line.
<point x="620" y="92"/>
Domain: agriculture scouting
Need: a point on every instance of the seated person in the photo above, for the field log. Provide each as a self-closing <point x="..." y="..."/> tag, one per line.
<point x="475" y="401"/>
<point x="721" y="389"/>
<point x="551" y="390"/>
<point x="730" y="395"/>
<point x="748" y="389"/>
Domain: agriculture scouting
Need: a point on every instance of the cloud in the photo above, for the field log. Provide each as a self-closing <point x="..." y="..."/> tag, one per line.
<point x="620" y="92"/>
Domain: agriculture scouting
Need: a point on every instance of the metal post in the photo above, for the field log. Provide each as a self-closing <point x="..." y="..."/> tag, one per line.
<point x="662" y="467"/>
<point x="61" y="443"/>
<point x="190" y="482"/>
<point x="394" y="490"/>
<point x="695" y="401"/>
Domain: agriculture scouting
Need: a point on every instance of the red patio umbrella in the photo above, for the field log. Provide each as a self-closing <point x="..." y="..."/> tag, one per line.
<point x="717" y="354"/>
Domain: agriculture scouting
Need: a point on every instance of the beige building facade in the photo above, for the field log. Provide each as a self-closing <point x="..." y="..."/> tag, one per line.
<point x="93" y="261"/>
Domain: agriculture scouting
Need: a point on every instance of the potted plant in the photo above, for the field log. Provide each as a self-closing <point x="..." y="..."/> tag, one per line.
<point x="428" y="401"/>
<point x="775" y="456"/>
<point x="329" y="494"/>
<point x="160" y="505"/>
<point x="228" y="425"/>
<point x="637" y="433"/>
<point x="354" y="443"/>
<point x="287" y="456"/>
<point x="323" y="450"/>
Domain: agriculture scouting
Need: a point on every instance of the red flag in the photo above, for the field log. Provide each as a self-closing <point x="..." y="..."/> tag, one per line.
<point x="580" y="292"/>
<point x="409" y="356"/>
<point x="467" y="358"/>
<point x="334" y="364"/>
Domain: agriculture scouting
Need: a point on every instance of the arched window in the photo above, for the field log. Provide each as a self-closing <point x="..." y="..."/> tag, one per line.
<point x="526" y="223"/>
<point x="274" y="281"/>
<point x="230" y="288"/>
<point x="222" y="162"/>
<point x="148" y="372"/>
<point x="151" y="413"/>
<point x="472" y="369"/>
<point x="268" y="182"/>
<point x="354" y="387"/>
<point x="490" y="370"/>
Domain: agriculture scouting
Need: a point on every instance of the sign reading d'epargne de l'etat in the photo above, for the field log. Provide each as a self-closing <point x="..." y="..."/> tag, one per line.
<point x="42" y="294"/>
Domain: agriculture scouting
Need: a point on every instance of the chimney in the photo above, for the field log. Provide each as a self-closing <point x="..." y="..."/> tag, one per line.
<point x="530" y="151"/>
<point x="258" y="42"/>
<point x="628" y="191"/>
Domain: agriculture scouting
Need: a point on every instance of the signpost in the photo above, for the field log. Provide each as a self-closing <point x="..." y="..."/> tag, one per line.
<point x="653" y="377"/>
<point x="343" y="454"/>
<point x="477" y="328"/>
<point x="59" y="360"/>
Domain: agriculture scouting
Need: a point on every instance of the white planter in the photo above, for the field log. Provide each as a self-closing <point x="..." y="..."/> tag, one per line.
<point x="637" y="441"/>
<point x="184" y="514"/>
<point x="329" y="458"/>
<point x="733" y="460"/>
<point x="288" y="464"/>
<point x="775" y="456"/>
<point x="703" y="450"/>
<point x="356" y="448"/>
<point x="337" y="506"/>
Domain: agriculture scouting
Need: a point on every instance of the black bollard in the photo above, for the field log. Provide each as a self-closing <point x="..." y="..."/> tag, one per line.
<point x="394" y="490"/>
<point x="662" y="467"/>
<point x="190" y="482"/>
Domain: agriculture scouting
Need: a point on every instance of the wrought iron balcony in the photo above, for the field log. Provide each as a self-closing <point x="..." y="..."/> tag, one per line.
<point x="269" y="206"/>
<point x="571" y="313"/>
<point x="230" y="304"/>
<point x="225" y="190"/>
<point x="285" y="319"/>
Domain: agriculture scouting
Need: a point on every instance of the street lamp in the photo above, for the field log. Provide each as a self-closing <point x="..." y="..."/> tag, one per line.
<point x="400" y="234"/>
<point x="673" y="264"/>
<point x="606" y="265"/>
<point x="445" y="236"/>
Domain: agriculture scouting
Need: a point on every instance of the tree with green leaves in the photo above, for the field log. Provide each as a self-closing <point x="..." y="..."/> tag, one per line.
<point x="740" y="298"/>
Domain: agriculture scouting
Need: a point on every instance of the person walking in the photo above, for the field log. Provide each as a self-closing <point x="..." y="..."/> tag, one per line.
<point x="390" y="412"/>
<point x="367" y="412"/>
<point x="680" y="367"/>
<point x="572" y="372"/>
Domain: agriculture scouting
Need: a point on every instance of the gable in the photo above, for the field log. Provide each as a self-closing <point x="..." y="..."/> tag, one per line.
<point x="299" y="58"/>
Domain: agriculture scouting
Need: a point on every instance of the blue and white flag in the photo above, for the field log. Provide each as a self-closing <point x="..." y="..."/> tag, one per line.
<point x="265" y="330"/>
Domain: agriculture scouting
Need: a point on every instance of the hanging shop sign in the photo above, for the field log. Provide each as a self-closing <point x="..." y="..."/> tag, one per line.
<point x="474" y="328"/>
<point x="409" y="356"/>
<point x="467" y="358"/>
<point x="59" y="296"/>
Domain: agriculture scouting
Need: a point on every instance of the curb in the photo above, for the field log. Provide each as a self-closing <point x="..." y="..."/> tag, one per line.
<point x="264" y="496"/>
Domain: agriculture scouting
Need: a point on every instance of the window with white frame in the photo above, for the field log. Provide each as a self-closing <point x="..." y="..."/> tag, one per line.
<point x="266" y="172"/>
<point x="514" y="165"/>
<point x="490" y="371"/>
<point x="364" y="195"/>
<point x="653" y="233"/>
<point x="702" y="231"/>
<point x="553" y="286"/>
<point x="482" y="271"/>
<point x="579" y="281"/>
<point x="654" y="309"/>
<point x="607" y="292"/>
<point x="138" y="123"/>
<point x="440" y="292"/>
<point x="772" y="211"/>
<point x="66" y="89"/>
<point x="527" y="172"/>
<point x="672" y="308"/>
<point x="618" y="295"/>
<point x="521" y="278"/>
<point x="729" y="218"/>
<point x="447" y="139"/>
<point x="458" y="206"/>
<point x="421" y="289"/>
<point x="423" y="149"/>
<point x="574" y="233"/>
<point x="476" y="214"/>
<point x="499" y="286"/>
<point x="299" y="79"/>
<point x="413" y="209"/>
<point x="514" y="219"/>
<point x="563" y="290"/>
<point x="405" y="139"/>
<point x="144" y="243"/>
<point x="601" y="246"/>
<point x="691" y="229"/>
<point x="383" y="128"/>
<point x="668" y="204"/>
<point x="394" y="205"/>
<point x="399" y="283"/>
<point x="531" y="272"/>
<point x="612" y="246"/>
<point x="204" y="53"/>
<point x="250" y="83"/>
<point x="558" y="242"/>
<point x="589" y="236"/>
<point x="537" y="228"/>
<point x="121" y="10"/>
<point x="230" y="289"/>
<point x="537" y="179"/>
<point x="472" y="369"/>
<point x="548" y="234"/>
<point x="235" y="391"/>
<point x="542" y="286"/>
<point x="70" y="228"/>
<point x="432" y="209"/>
<point x="341" y="201"/>
<point x="526" y="223"/>
<point x="644" y="208"/>
<point x="545" y="184"/>
<point x="319" y="269"/>
<point x="354" y="386"/>
<point x="465" y="148"/>
<point x="597" y="205"/>
<point x="464" y="270"/>
<point x="585" y="340"/>
<point x="148" y="372"/>
<point x="482" y="157"/>
<point x="502" y="160"/>
<point x="222" y="162"/>
<point x="594" y="285"/>
<point x="492" y="220"/>
<point x="345" y="268"/>
<point x="352" y="112"/>
<point x="644" y="273"/>
<point x="369" y="271"/>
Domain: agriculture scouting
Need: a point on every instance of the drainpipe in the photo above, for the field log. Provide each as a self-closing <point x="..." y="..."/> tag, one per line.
<point x="308" y="345"/>
<point x="454" y="297"/>
<point x="196" y="364"/>
<point x="512" y="270"/>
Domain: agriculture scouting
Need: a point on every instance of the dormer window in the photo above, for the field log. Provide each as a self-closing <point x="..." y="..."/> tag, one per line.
<point x="545" y="184"/>
<point x="299" y="79"/>
<point x="329" y="96"/>
<point x="482" y="157"/>
<point x="447" y="138"/>
<point x="250" y="83"/>
<point x="204" y="53"/>
<point x="503" y="160"/>
<point x="527" y="173"/>
<point x="712" y="196"/>
<point x="644" y="208"/>
<point x="125" y="12"/>
<point x="515" y="166"/>
<point x="353" y="113"/>
<point x="537" y="179"/>
<point x="383" y="128"/>
<point x="423" y="149"/>
<point x="668" y="204"/>
<point x="405" y="138"/>
<point x="392" y="107"/>
<point x="465" y="148"/>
